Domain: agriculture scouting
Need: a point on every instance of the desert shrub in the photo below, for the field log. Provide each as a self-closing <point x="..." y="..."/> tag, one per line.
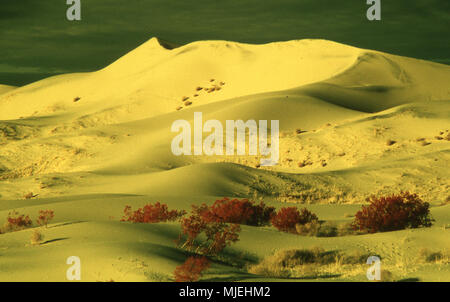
<point x="240" y="212"/>
<point x="446" y="201"/>
<point x="386" y="276"/>
<point x="29" y="195"/>
<point x="427" y="255"/>
<point x="270" y="267"/>
<point x="158" y="276"/>
<point x="308" y="229"/>
<point x="282" y="262"/>
<point x="36" y="237"/>
<point x="218" y="234"/>
<point x="151" y="213"/>
<point x="346" y="228"/>
<point x="286" y="219"/>
<point x="309" y="262"/>
<point x="16" y="222"/>
<point x="392" y="213"/>
<point x="327" y="229"/>
<point x="44" y="217"/>
<point x="354" y="257"/>
<point x="191" y="270"/>
<point x="295" y="257"/>
<point x="291" y="258"/>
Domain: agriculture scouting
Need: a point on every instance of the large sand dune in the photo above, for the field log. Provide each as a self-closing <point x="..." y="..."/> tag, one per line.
<point x="152" y="79"/>
<point x="114" y="125"/>
<point x="370" y="123"/>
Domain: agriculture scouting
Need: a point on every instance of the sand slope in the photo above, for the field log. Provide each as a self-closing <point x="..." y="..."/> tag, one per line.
<point x="117" y="121"/>
<point x="89" y="143"/>
<point x="6" y="88"/>
<point x="152" y="80"/>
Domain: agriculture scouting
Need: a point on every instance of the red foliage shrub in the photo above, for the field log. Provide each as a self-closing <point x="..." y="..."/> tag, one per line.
<point x="218" y="234"/>
<point x="16" y="222"/>
<point x="239" y="211"/>
<point x="393" y="212"/>
<point x="44" y="217"/>
<point x="151" y="213"/>
<point x="286" y="218"/>
<point x="191" y="270"/>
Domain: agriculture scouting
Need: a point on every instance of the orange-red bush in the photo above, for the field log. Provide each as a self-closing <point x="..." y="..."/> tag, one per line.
<point x="239" y="211"/>
<point x="286" y="219"/>
<point x="218" y="234"/>
<point x="44" y="217"/>
<point x="16" y="222"/>
<point x="151" y="213"/>
<point x="392" y="213"/>
<point x="191" y="270"/>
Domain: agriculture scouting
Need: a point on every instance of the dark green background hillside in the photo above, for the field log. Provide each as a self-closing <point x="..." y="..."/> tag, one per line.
<point x="37" y="41"/>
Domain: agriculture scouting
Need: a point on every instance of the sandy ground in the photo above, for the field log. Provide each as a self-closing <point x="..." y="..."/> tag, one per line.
<point x="353" y="122"/>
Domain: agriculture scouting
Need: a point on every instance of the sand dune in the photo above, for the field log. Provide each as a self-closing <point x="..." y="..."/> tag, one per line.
<point x="353" y="122"/>
<point x="153" y="80"/>
<point x="116" y="121"/>
<point x="6" y="88"/>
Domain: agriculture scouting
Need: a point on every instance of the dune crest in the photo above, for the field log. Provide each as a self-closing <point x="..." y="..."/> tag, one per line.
<point x="158" y="78"/>
<point x="155" y="78"/>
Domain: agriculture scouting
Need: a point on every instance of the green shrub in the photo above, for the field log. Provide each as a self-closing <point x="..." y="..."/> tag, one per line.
<point x="327" y="229"/>
<point x="306" y="262"/>
<point x="318" y="229"/>
<point x="427" y="255"/>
